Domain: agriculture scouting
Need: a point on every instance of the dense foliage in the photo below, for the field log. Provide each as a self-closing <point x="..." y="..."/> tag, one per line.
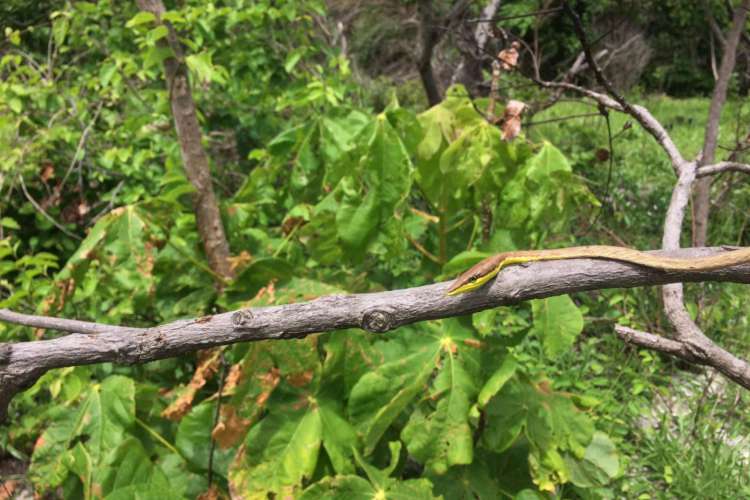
<point x="321" y="193"/>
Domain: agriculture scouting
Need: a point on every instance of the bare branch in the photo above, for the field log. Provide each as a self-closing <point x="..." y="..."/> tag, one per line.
<point x="641" y="114"/>
<point x="42" y="211"/>
<point x="591" y="60"/>
<point x="23" y="362"/>
<point x="693" y="350"/>
<point x="723" y="166"/>
<point x="654" y="342"/>
<point x="82" y="142"/>
<point x="61" y="324"/>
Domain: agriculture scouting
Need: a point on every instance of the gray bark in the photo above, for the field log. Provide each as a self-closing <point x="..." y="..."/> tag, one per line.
<point x="22" y="363"/>
<point x="194" y="157"/>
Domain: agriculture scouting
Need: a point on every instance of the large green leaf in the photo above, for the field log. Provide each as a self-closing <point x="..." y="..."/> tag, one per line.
<point x="439" y="435"/>
<point x="386" y="175"/>
<point x="339" y="437"/>
<point x="109" y="415"/>
<point x="279" y="452"/>
<point x="497" y="380"/>
<point x="78" y="460"/>
<point x="48" y="468"/>
<point x="103" y="417"/>
<point x="599" y="465"/>
<point x="127" y="469"/>
<point x="381" y="395"/>
<point x="558" y="322"/>
<point x="506" y="415"/>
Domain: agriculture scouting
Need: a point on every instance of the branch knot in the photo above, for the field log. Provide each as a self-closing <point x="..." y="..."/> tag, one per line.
<point x="242" y="318"/>
<point x="378" y="320"/>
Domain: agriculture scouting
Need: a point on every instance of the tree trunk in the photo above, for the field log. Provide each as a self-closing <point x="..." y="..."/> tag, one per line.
<point x="469" y="70"/>
<point x="428" y="37"/>
<point x="194" y="157"/>
<point x="702" y="187"/>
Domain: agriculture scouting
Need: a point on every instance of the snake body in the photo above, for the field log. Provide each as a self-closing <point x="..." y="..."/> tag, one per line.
<point x="487" y="269"/>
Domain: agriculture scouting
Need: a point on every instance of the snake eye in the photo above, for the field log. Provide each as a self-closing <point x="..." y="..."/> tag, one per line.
<point x="472" y="279"/>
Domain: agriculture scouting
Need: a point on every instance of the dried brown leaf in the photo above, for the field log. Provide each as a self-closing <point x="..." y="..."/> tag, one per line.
<point x="511" y="121"/>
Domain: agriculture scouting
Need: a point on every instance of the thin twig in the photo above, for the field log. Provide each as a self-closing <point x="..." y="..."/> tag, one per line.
<point x="421" y="249"/>
<point x="540" y="12"/>
<point x="41" y="210"/>
<point x="82" y="142"/>
<point x="222" y="379"/>
<point x="560" y="119"/>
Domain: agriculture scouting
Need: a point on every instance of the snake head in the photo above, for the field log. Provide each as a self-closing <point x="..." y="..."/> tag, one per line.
<point x="476" y="276"/>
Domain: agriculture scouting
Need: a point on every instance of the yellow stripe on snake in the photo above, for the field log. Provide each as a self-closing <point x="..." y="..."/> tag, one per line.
<point x="487" y="269"/>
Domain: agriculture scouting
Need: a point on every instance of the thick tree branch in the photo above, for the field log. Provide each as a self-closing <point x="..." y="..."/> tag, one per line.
<point x="22" y="363"/>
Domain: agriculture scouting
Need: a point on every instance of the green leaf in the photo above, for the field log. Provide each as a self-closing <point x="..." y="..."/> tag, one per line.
<point x="59" y="29"/>
<point x="156" y="34"/>
<point x="79" y="462"/>
<point x="357" y="223"/>
<point x="558" y="322"/>
<point x="15" y="104"/>
<point x="48" y="467"/>
<point x="497" y="380"/>
<point x="381" y="395"/>
<point x="104" y="417"/>
<point x="142" y="17"/>
<point x="386" y="172"/>
<point x="110" y="413"/>
<point x="600" y="463"/>
<point x="340" y="488"/>
<point x="380" y="486"/>
<point x="129" y="466"/>
<point x="193" y="439"/>
<point x="339" y="437"/>
<point x="479" y="480"/>
<point x="291" y="60"/>
<point x="506" y="415"/>
<point x="543" y="165"/>
<point x="203" y="68"/>
<point x="279" y="453"/>
<point x="9" y="223"/>
<point x="441" y="438"/>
